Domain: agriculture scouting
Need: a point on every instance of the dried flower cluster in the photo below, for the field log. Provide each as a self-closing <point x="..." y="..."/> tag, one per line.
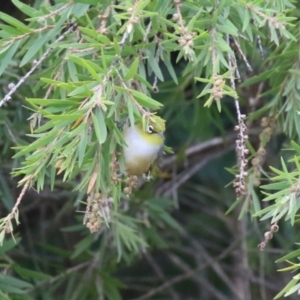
<point x="186" y="36"/>
<point x="242" y="152"/>
<point x="269" y="125"/>
<point x="268" y="235"/>
<point x="131" y="182"/>
<point x="115" y="168"/>
<point x="98" y="210"/>
<point x="98" y="207"/>
<point x="218" y="86"/>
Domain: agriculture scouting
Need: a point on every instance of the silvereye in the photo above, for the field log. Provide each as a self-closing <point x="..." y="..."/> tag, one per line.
<point x="144" y="145"/>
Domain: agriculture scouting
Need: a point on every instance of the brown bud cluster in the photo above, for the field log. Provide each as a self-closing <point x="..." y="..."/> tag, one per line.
<point x="239" y="183"/>
<point x="186" y="37"/>
<point x="131" y="182"/>
<point x="268" y="235"/>
<point x="114" y="168"/>
<point x="98" y="210"/>
<point x="218" y="84"/>
<point x="269" y="125"/>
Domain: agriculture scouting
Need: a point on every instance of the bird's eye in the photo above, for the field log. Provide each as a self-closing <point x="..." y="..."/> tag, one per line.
<point x="150" y="129"/>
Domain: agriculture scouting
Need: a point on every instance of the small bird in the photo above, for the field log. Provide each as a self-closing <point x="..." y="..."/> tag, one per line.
<point x="144" y="146"/>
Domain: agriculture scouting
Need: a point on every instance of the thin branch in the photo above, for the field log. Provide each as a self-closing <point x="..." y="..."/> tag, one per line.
<point x="271" y="20"/>
<point x="242" y="151"/>
<point x="260" y="47"/>
<point x="160" y="273"/>
<point x="167" y="188"/>
<point x="19" y="37"/>
<point x="242" y="54"/>
<point x="55" y="12"/>
<point x="201" y="280"/>
<point x="61" y="275"/>
<point x="186" y="275"/>
<point x="43" y="57"/>
<point x="6" y="225"/>
<point x="194" y="149"/>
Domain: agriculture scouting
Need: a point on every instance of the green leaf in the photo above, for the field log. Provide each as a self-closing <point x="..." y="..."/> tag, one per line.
<point x="293" y="254"/>
<point x="8" y="244"/>
<point x="26" y="9"/>
<point x="99" y="125"/>
<point x="132" y="70"/>
<point x="14" y="22"/>
<point x="258" y="78"/>
<point x="4" y="296"/>
<point x="7" y="58"/>
<point x="53" y="102"/>
<point x="29" y="274"/>
<point x="82" y="146"/>
<point x="88" y="1"/>
<point x="45" y="140"/>
<point x="89" y="65"/>
<point x="170" y="68"/>
<point x="12" y="283"/>
<point x="154" y="65"/>
<point x="68" y="117"/>
<point x="34" y="48"/>
<point x="141" y="98"/>
<point x="41" y="41"/>
<point x="146" y="100"/>
<point x="292" y="283"/>
<point x="10" y="31"/>
<point x="246" y="19"/>
<point x="83" y="245"/>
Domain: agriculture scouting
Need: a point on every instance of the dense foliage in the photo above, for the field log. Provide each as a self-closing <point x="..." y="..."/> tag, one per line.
<point x="223" y="74"/>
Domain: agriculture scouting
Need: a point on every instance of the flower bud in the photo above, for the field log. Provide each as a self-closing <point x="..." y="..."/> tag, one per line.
<point x="268" y="235"/>
<point x="274" y="228"/>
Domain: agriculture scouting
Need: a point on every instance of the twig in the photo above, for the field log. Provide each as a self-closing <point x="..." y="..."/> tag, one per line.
<point x="201" y="280"/>
<point x="6" y="224"/>
<point x="11" y="134"/>
<point x="43" y="57"/>
<point x="167" y="188"/>
<point x="145" y="39"/>
<point x="194" y="149"/>
<point x="242" y="54"/>
<point x="242" y="151"/>
<point x="186" y="275"/>
<point x="55" y="12"/>
<point x="261" y="51"/>
<point x="160" y="273"/>
<point x="61" y="275"/>
<point x="271" y="20"/>
<point x="19" y="37"/>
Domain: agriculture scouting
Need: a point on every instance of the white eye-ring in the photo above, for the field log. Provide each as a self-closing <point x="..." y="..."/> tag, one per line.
<point x="150" y="129"/>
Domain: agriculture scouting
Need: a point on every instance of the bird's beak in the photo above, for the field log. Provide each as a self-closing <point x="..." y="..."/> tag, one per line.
<point x="161" y="135"/>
